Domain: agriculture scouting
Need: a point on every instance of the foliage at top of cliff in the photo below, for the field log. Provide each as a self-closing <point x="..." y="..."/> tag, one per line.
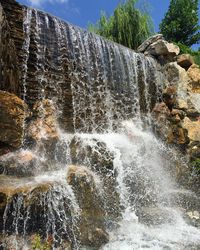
<point x="180" y="23"/>
<point x="128" y="25"/>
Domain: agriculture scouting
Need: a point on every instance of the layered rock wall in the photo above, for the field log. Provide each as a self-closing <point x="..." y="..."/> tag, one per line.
<point x="9" y="66"/>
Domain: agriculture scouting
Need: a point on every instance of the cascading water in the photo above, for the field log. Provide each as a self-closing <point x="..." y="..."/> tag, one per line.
<point x="125" y="169"/>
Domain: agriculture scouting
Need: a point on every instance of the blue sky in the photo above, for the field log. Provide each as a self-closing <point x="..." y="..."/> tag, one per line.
<point x="81" y="12"/>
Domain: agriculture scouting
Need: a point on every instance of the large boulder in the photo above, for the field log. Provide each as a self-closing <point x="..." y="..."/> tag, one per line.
<point x="94" y="154"/>
<point x="194" y="86"/>
<point x="163" y="48"/>
<point x="178" y="78"/>
<point x="158" y="47"/>
<point x="100" y="158"/>
<point x="168" y="124"/>
<point x="193" y="128"/>
<point x="144" y="46"/>
<point x="92" y="221"/>
<point x="194" y="76"/>
<point x="13" y="112"/>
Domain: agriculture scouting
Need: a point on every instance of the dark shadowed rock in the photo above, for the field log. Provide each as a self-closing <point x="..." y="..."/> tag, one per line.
<point x="92" y="222"/>
<point x="185" y="60"/>
<point x="13" y="112"/>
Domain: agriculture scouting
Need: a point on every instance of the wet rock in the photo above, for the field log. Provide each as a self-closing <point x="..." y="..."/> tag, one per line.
<point x="185" y="199"/>
<point x="185" y="60"/>
<point x="83" y="182"/>
<point x="13" y="189"/>
<point x="97" y="157"/>
<point x="13" y="112"/>
<point x="92" y="227"/>
<point x="22" y="163"/>
<point x="9" y="70"/>
<point x="38" y="199"/>
<point x="43" y="129"/>
<point x="100" y="158"/>
<point x="152" y="216"/>
<point x="43" y="125"/>
<point x="193" y="218"/>
<point x="99" y="237"/>
<point x="160" y="116"/>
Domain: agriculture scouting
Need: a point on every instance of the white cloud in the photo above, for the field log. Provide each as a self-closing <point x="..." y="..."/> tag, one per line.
<point x="38" y="3"/>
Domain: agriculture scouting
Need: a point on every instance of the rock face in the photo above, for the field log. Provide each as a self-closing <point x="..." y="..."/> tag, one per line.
<point x="13" y="112"/>
<point x="194" y="75"/>
<point x="95" y="155"/>
<point x="144" y="46"/>
<point x="160" y="48"/>
<point x="9" y="70"/>
<point x="92" y="221"/>
<point x="185" y="61"/>
<point x="176" y="119"/>
<point x="43" y="123"/>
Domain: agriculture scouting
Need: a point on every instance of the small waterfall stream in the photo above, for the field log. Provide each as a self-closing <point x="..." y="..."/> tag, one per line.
<point x="102" y="94"/>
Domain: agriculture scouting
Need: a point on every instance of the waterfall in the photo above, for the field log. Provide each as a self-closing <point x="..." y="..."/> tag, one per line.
<point x="108" y="82"/>
<point x="102" y="169"/>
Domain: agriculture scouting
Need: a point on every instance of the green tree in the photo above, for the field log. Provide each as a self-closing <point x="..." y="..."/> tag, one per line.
<point x="128" y="25"/>
<point x="180" y="23"/>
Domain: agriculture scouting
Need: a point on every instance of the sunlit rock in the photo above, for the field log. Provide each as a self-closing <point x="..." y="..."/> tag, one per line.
<point x="158" y="47"/>
<point x="193" y="128"/>
<point x="194" y="76"/>
<point x="178" y="78"/>
<point x="144" y="46"/>
<point x="43" y="123"/>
